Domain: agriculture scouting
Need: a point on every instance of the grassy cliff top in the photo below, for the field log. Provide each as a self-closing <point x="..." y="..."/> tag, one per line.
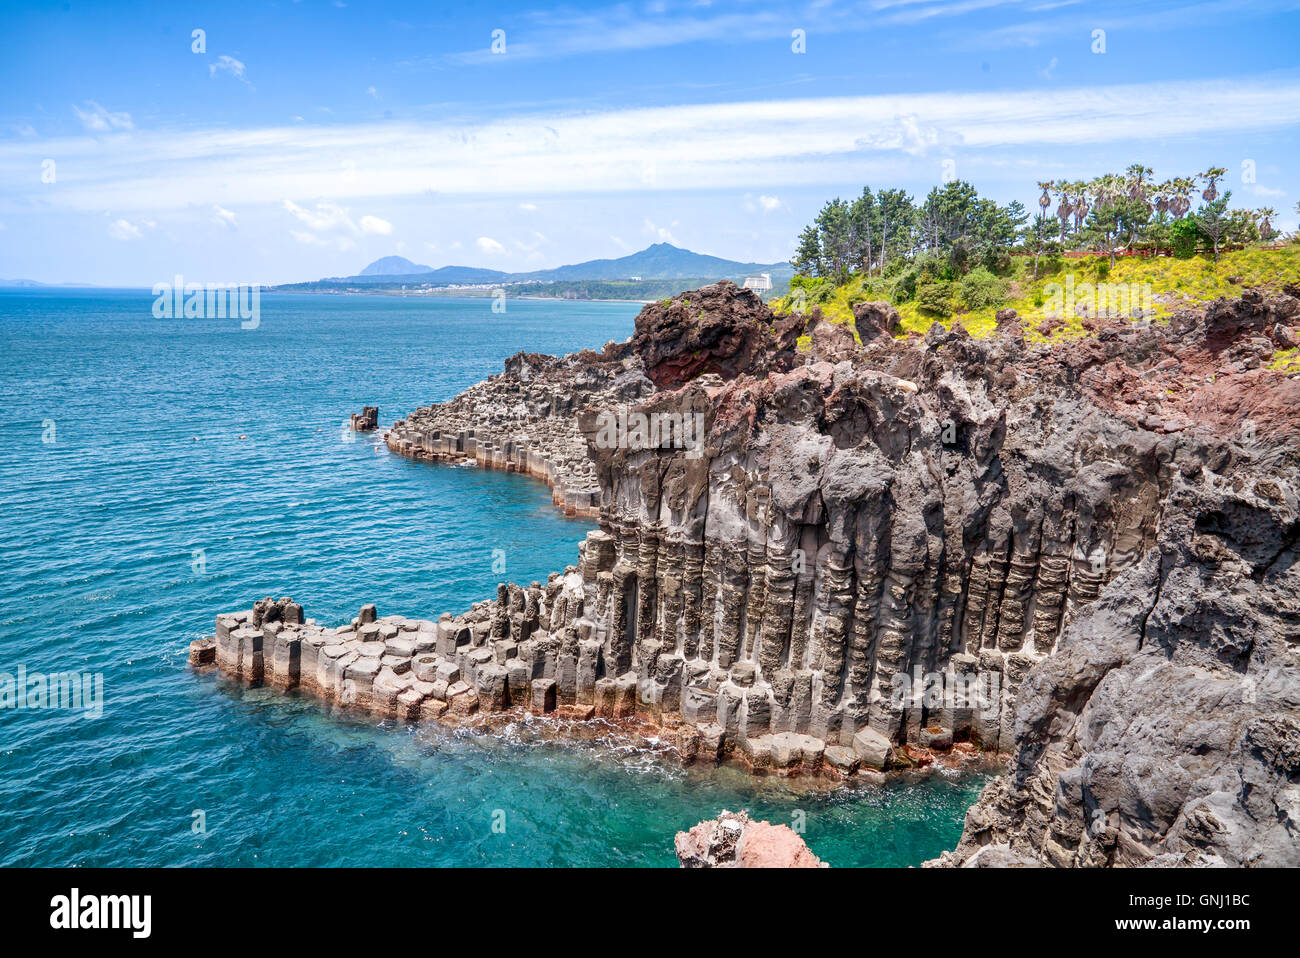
<point x="1163" y="284"/>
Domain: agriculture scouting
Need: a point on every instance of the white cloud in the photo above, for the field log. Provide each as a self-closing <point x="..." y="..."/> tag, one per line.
<point x="227" y="64"/>
<point x="660" y="233"/>
<point x="326" y="217"/>
<point x="763" y="202"/>
<point x="224" y="217"/>
<point x="330" y="218"/>
<point x="1267" y="192"/>
<point x="910" y="135"/>
<point x="826" y="140"/>
<point x="98" y="120"/>
<point x="373" y="92"/>
<point x="528" y="207"/>
<point x="124" y="230"/>
<point x="490" y="246"/>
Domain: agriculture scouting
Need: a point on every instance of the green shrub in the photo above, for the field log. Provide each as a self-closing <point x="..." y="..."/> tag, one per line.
<point x="935" y="298"/>
<point x="1185" y="238"/>
<point x="980" y="289"/>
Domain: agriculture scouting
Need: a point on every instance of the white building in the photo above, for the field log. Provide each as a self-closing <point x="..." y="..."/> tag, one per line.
<point x="761" y="282"/>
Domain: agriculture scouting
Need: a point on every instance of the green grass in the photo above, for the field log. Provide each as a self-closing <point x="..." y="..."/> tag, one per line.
<point x="1286" y="360"/>
<point x="1174" y="283"/>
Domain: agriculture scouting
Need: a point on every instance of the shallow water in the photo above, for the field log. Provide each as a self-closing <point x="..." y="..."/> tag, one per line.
<point x="156" y="472"/>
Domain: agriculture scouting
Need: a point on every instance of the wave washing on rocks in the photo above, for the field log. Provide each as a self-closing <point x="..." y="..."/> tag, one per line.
<point x="1080" y="554"/>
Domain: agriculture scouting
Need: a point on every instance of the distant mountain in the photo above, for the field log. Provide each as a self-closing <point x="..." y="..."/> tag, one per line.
<point x="394" y="266"/>
<point x="662" y="261"/>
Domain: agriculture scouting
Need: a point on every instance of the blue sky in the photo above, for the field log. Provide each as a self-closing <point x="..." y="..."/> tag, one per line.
<point x="310" y="138"/>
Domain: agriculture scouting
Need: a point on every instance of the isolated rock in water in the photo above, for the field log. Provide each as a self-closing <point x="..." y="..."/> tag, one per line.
<point x="719" y="329"/>
<point x="366" y="420"/>
<point x="873" y="320"/>
<point x="734" y="840"/>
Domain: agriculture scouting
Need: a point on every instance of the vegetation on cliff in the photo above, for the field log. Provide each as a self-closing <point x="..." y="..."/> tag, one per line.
<point x="961" y="257"/>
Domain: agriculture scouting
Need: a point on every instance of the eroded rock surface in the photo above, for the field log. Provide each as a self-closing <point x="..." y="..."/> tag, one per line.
<point x="734" y="840"/>
<point x="1079" y="554"/>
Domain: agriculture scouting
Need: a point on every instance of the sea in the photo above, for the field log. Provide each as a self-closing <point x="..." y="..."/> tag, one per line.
<point x="155" y="472"/>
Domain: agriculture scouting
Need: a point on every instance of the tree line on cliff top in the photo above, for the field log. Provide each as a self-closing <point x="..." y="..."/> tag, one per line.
<point x="956" y="236"/>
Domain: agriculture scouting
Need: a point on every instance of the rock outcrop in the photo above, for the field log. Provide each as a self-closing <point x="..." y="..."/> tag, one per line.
<point x="853" y="559"/>
<point x="366" y="420"/>
<point x="734" y="840"/>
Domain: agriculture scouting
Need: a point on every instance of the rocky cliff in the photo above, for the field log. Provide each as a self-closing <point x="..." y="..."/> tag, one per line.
<point x="851" y="558"/>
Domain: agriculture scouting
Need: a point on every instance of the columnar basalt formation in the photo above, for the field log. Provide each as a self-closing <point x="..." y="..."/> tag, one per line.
<point x="875" y="552"/>
<point x="524" y="420"/>
<point x="366" y="420"/>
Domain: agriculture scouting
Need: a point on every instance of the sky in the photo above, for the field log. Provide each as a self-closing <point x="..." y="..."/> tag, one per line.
<point x="288" y="141"/>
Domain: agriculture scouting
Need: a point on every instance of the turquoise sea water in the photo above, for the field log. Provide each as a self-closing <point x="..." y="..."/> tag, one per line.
<point x="156" y="472"/>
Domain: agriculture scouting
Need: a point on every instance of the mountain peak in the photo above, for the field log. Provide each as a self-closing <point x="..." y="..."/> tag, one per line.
<point x="394" y="266"/>
<point x="658" y="261"/>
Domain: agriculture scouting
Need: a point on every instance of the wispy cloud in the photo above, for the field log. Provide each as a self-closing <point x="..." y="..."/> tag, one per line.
<point x="755" y="144"/>
<point x="96" y="119"/>
<point x="229" y="65"/>
<point x="124" y="230"/>
<point x="224" y="217"/>
<point x="615" y="28"/>
<point x="1151" y="17"/>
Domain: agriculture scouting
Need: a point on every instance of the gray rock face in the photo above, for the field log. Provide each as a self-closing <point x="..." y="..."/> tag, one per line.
<point x="1166" y="728"/>
<point x="1076" y="554"/>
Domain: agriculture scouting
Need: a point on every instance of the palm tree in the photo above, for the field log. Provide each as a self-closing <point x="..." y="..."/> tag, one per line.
<point x="1137" y="188"/>
<point x="1081" y="207"/>
<point x="1211" y="176"/>
<point x="1063" y="208"/>
<point x="1266" y="222"/>
<point x="1181" y="201"/>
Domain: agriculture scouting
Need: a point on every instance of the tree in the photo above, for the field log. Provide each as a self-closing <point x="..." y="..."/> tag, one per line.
<point x="1213" y="221"/>
<point x="1211" y="177"/>
<point x="808" y="258"/>
<point x="1040" y="238"/>
<point x="862" y="216"/>
<point x="897" y="218"/>
<point x="1116" y="220"/>
<point x="1266" y="216"/>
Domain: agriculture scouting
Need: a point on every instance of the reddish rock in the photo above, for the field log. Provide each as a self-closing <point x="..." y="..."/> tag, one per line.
<point x="720" y="329"/>
<point x="734" y="840"/>
<point x="875" y="320"/>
